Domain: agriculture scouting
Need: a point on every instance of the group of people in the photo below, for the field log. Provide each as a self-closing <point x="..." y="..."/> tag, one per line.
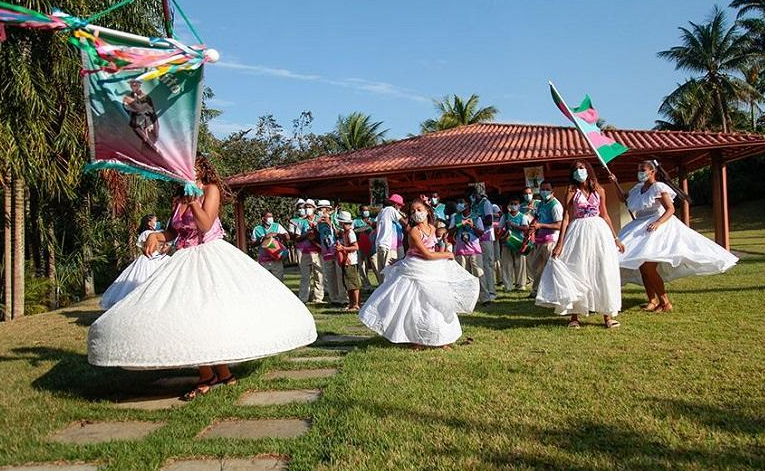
<point x="210" y="305"/>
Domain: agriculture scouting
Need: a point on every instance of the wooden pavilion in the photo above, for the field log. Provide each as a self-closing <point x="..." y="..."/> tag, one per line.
<point x="497" y="154"/>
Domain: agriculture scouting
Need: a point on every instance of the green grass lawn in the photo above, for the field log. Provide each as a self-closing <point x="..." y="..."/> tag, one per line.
<point x="684" y="391"/>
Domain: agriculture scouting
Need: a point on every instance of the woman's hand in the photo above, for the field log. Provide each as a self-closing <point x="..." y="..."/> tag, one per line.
<point x="150" y="246"/>
<point x="653" y="226"/>
<point x="557" y="251"/>
<point x="619" y="245"/>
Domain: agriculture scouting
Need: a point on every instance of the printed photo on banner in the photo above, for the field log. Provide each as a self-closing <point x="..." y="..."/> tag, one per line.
<point x="534" y="177"/>
<point x="378" y="191"/>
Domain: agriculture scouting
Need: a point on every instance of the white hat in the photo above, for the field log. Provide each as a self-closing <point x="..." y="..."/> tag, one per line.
<point x="310" y="202"/>
<point x="324" y="204"/>
<point x="495" y="208"/>
<point x="344" y="217"/>
<point x="300" y="202"/>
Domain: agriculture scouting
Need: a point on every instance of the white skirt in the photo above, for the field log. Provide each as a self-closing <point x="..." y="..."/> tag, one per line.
<point x="679" y="250"/>
<point x="585" y="278"/>
<point x="135" y="274"/>
<point x="209" y="304"/>
<point x="419" y="300"/>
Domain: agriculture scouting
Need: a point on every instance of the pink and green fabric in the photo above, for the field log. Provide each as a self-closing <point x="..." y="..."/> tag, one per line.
<point x="585" y="118"/>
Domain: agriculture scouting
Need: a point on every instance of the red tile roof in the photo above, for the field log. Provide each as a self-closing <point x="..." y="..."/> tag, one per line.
<point x="493" y="144"/>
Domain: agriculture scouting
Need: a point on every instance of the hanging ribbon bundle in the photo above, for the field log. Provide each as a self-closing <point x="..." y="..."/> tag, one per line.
<point x="143" y="94"/>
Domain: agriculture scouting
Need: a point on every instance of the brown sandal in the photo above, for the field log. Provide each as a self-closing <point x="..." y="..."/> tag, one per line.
<point x="651" y="306"/>
<point x="664" y="308"/>
<point x="202" y="388"/>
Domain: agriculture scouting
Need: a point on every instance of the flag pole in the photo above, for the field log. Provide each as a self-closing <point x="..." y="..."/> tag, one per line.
<point x="611" y="175"/>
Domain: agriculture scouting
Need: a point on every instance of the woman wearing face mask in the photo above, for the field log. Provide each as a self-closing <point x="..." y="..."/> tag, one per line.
<point x="583" y="274"/>
<point x="421" y="295"/>
<point x="513" y="226"/>
<point x="659" y="246"/>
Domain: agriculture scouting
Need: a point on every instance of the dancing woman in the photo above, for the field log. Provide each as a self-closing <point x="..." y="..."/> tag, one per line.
<point x="659" y="246"/>
<point x="210" y="306"/>
<point x="419" y="299"/>
<point x="583" y="274"/>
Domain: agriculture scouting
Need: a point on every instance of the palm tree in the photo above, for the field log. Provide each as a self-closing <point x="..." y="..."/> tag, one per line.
<point x="717" y="53"/>
<point x="748" y="6"/>
<point x="455" y="111"/>
<point x="690" y="107"/>
<point x="357" y="131"/>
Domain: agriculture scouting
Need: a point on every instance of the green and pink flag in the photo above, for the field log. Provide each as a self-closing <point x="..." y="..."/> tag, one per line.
<point x="585" y="118"/>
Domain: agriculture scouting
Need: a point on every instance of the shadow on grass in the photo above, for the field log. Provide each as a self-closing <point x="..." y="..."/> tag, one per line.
<point x="731" y="419"/>
<point x="83" y="318"/>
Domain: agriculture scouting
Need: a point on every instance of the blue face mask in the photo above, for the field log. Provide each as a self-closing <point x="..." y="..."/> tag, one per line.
<point x="642" y="176"/>
<point x="365" y="214"/>
<point x="580" y="175"/>
<point x="545" y="194"/>
<point x="460" y="207"/>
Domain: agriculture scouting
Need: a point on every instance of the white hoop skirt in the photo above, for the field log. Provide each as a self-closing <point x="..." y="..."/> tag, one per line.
<point x="585" y="278"/>
<point x="132" y="276"/>
<point x="419" y="300"/>
<point x="679" y="250"/>
<point x="209" y="304"/>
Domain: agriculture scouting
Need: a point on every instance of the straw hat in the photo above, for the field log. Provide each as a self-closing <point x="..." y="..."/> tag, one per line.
<point x="324" y="204"/>
<point x="310" y="202"/>
<point x="344" y="217"/>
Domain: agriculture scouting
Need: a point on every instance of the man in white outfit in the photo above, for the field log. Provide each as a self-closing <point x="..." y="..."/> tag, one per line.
<point x="386" y="241"/>
<point x="311" y="278"/>
<point x="483" y="208"/>
<point x="333" y="274"/>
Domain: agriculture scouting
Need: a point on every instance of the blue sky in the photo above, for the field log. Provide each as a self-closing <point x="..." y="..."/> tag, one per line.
<point x="391" y="58"/>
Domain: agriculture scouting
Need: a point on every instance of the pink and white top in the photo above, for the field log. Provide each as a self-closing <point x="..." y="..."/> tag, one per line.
<point x="189" y="234"/>
<point x="586" y="207"/>
<point x="428" y="240"/>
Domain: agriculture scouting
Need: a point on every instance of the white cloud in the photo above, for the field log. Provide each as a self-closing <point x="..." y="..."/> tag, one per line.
<point x="362" y="85"/>
<point x="222" y="128"/>
<point x="220" y="103"/>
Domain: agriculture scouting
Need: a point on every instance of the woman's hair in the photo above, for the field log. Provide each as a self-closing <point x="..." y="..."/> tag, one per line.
<point x="144" y="225"/>
<point x="591" y="184"/>
<point x="207" y="174"/>
<point x="663" y="176"/>
<point x="428" y="209"/>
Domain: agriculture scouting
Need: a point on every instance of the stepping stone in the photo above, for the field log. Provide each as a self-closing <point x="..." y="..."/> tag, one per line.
<point x="150" y="403"/>
<point x="53" y="467"/>
<point x="301" y="374"/>
<point x="309" y="359"/>
<point x="332" y="348"/>
<point x="342" y="338"/>
<point x="253" y="429"/>
<point x="98" y="432"/>
<point x="272" y="398"/>
<point x="250" y="464"/>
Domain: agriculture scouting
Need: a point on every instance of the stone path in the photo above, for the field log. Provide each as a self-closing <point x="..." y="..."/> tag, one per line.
<point x="98" y="432"/>
<point x="258" y="428"/>
<point x="332" y="338"/>
<point x="301" y="374"/>
<point x="151" y="403"/>
<point x="272" y="398"/>
<point x="310" y="359"/>
<point x="251" y="464"/>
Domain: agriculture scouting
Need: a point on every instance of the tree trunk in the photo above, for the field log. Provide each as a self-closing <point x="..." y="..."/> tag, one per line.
<point x="89" y="285"/>
<point x="53" y="295"/>
<point x="752" y="107"/>
<point x="7" y="252"/>
<point x="721" y="109"/>
<point x="18" y="247"/>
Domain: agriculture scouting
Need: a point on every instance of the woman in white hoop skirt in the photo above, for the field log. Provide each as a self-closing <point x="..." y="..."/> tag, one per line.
<point x="582" y="275"/>
<point x="659" y="246"/>
<point x="209" y="306"/>
<point x="421" y="295"/>
<point x="141" y="268"/>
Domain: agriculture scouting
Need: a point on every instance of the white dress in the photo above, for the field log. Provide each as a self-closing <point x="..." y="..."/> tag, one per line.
<point x="208" y="304"/>
<point x="679" y="250"/>
<point x="419" y="300"/>
<point x="135" y="274"/>
<point x="585" y="278"/>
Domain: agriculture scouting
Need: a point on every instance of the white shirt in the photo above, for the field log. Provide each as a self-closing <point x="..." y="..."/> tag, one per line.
<point x="386" y="227"/>
<point x="485" y="208"/>
<point x="353" y="257"/>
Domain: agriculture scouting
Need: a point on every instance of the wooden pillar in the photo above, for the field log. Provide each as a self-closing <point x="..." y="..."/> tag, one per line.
<point x="241" y="225"/>
<point x="720" y="200"/>
<point x="685" y="207"/>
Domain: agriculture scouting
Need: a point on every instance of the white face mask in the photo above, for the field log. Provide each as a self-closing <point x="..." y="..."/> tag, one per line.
<point x="269" y="221"/>
<point x="301" y="212"/>
<point x="460" y="207"/>
<point x="365" y="214"/>
<point x="580" y="175"/>
<point x="434" y="200"/>
<point x="642" y="176"/>
<point x="514" y="207"/>
<point x="545" y="194"/>
<point x="419" y="216"/>
<point x="309" y="211"/>
<point x="528" y="197"/>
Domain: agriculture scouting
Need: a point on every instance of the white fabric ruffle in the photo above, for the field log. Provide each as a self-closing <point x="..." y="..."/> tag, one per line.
<point x="209" y="304"/>
<point x="136" y="273"/>
<point x="419" y="300"/>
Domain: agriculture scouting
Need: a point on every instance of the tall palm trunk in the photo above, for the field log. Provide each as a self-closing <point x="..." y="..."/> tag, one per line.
<point x="18" y="247"/>
<point x="752" y="108"/>
<point x="50" y="248"/>
<point x="87" y="254"/>
<point x="7" y="252"/>
<point x="721" y="109"/>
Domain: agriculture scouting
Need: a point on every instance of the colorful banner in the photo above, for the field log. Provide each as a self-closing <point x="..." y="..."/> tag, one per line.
<point x="585" y="118"/>
<point x="148" y="127"/>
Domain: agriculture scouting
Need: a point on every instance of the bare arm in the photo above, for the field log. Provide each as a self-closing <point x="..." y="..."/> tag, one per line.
<point x="604" y="214"/>
<point x="206" y="213"/>
<point x="669" y="210"/>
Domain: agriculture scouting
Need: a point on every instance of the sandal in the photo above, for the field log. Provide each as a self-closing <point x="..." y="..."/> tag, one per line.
<point x="612" y="324"/>
<point x="574" y="325"/>
<point x="664" y="308"/>
<point x="202" y="388"/>
<point x="230" y="381"/>
<point x="651" y="306"/>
